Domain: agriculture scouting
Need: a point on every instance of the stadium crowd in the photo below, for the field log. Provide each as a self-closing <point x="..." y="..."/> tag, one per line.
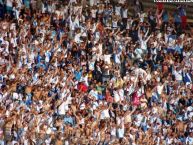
<point x="94" y="72"/>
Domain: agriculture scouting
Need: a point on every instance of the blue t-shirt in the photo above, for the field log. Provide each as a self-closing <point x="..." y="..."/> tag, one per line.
<point x="178" y="49"/>
<point x="68" y="120"/>
<point x="78" y="75"/>
<point x="177" y="18"/>
<point x="27" y="3"/>
<point x="165" y="17"/>
<point x="182" y="12"/>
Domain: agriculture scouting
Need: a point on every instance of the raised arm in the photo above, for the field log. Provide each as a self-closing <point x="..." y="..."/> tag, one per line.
<point x="147" y="32"/>
<point x="117" y="32"/>
<point x="148" y="38"/>
<point x="139" y="34"/>
<point x="130" y="112"/>
<point x="159" y="15"/>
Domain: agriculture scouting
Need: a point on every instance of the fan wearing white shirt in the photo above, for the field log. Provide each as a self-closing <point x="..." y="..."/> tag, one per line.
<point x="74" y="22"/>
<point x="93" y="2"/>
<point x="107" y="58"/>
<point x="189" y="139"/>
<point x="93" y="12"/>
<point x="125" y="13"/>
<point x="118" y="10"/>
<point x="117" y="97"/>
<point x="117" y="57"/>
<point x="121" y="130"/>
<point x="105" y="114"/>
<point x="143" y="39"/>
<point x="178" y="74"/>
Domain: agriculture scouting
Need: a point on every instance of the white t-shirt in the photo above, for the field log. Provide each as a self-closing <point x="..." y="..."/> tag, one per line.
<point x="113" y="131"/>
<point x="160" y="88"/>
<point x="63" y="108"/>
<point x="15" y="95"/>
<point x="72" y="1"/>
<point x="171" y="43"/>
<point x="118" y="58"/>
<point x="121" y="94"/>
<point x="178" y="75"/>
<point x="139" y="119"/>
<point x="74" y="24"/>
<point x="122" y="1"/>
<point x="47" y="54"/>
<point x="129" y="23"/>
<point x="19" y="3"/>
<point x="138" y="52"/>
<point x="141" y="16"/>
<point x="93" y="2"/>
<point x="121" y="131"/>
<point x="114" y="23"/>
<point x="143" y="44"/>
<point x="93" y="13"/>
<point x="91" y="65"/>
<point x="9" y="3"/>
<point x="107" y="58"/>
<point x="117" y="98"/>
<point x="125" y="11"/>
<point x="105" y="114"/>
<point x="77" y="38"/>
<point x="14" y="42"/>
<point x="7" y="47"/>
<point x="189" y="140"/>
<point x="94" y="94"/>
<point x="118" y="10"/>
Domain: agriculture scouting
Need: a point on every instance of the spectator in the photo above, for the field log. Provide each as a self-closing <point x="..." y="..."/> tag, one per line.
<point x="93" y="72"/>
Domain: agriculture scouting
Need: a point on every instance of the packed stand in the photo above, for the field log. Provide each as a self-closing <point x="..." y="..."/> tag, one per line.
<point x="94" y="72"/>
